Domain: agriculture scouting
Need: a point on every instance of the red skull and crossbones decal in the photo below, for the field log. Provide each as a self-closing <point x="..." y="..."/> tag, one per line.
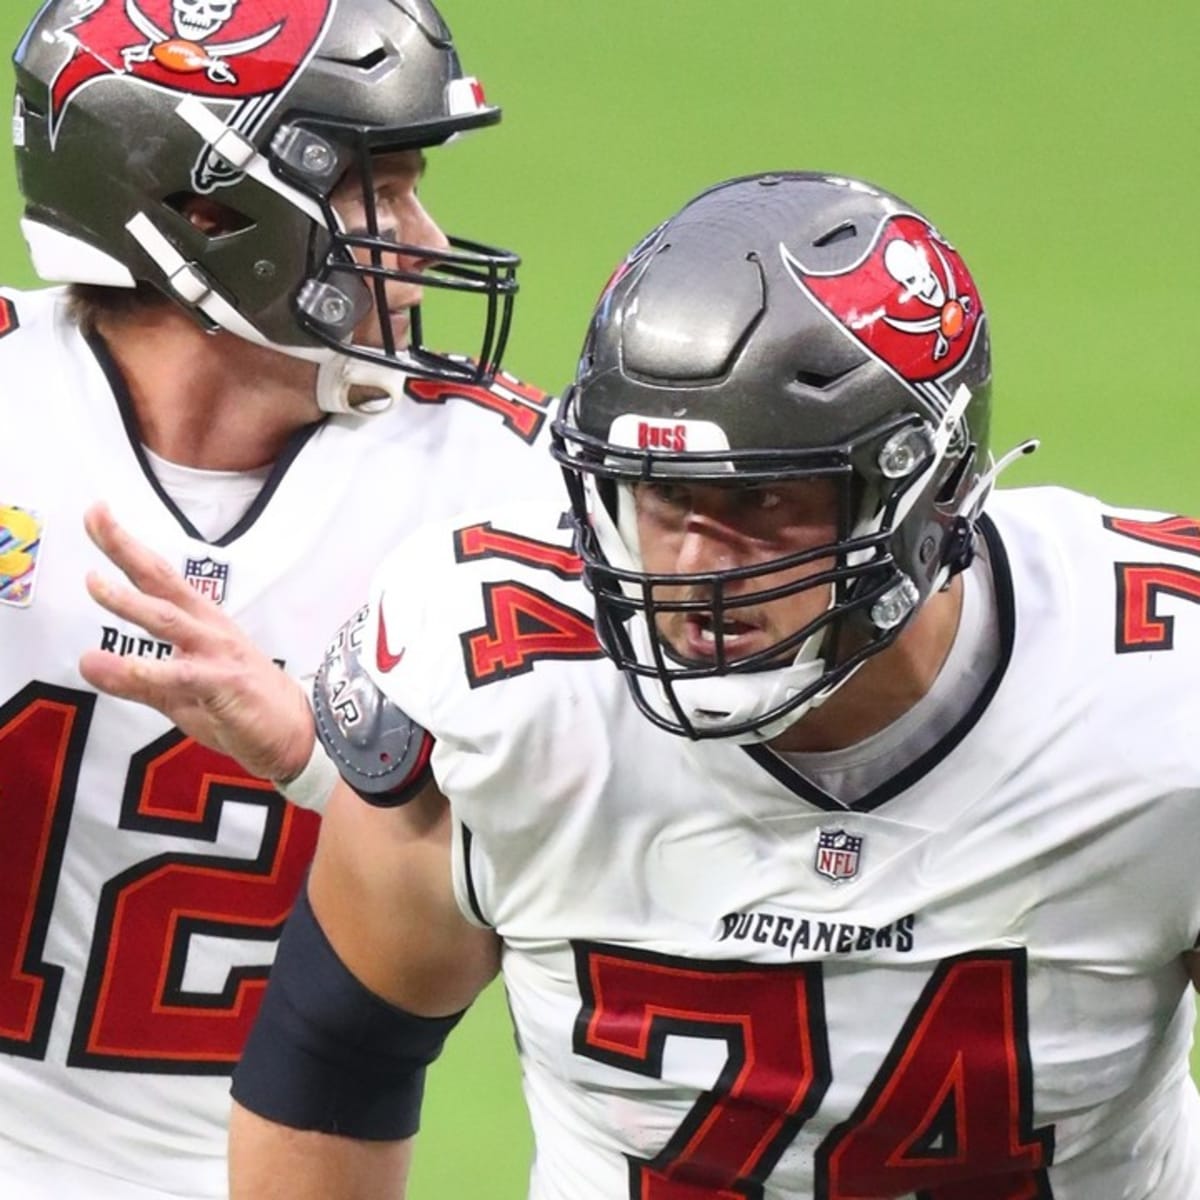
<point x="908" y="263"/>
<point x="908" y="300"/>
<point x="236" y="50"/>
<point x="194" y="21"/>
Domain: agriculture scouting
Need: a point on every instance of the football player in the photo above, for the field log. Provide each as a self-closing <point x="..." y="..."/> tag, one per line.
<point x="831" y="817"/>
<point x="245" y="367"/>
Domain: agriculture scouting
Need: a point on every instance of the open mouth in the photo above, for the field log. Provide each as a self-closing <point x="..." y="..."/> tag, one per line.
<point x="701" y="634"/>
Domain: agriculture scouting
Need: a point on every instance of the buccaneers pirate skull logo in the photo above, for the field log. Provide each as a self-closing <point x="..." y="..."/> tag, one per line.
<point x="243" y="51"/>
<point x="190" y="51"/>
<point x="909" y="300"/>
<point x="198" y="19"/>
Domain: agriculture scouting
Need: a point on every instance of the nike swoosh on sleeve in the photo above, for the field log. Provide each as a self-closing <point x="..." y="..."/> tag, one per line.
<point x="384" y="658"/>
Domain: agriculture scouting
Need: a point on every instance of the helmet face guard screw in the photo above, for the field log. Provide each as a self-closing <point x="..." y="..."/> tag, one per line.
<point x="904" y="452"/>
<point x="334" y="310"/>
<point x="318" y="159"/>
<point x="895" y="604"/>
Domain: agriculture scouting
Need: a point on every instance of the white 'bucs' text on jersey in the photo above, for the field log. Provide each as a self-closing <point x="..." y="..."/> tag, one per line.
<point x="966" y="986"/>
<point x="144" y="879"/>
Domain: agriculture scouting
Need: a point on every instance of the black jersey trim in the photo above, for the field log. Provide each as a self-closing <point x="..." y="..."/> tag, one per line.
<point x="120" y="391"/>
<point x="1006" y="609"/>
<point x="472" y="896"/>
<point x="783" y="772"/>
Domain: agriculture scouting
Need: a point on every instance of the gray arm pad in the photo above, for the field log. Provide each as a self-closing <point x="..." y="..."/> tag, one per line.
<point x="378" y="749"/>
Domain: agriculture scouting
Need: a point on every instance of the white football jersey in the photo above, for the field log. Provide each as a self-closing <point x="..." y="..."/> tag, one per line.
<point x="145" y="879"/>
<point x="965" y="986"/>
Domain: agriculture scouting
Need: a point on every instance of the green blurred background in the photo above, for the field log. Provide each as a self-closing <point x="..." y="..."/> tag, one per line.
<point x="1054" y="141"/>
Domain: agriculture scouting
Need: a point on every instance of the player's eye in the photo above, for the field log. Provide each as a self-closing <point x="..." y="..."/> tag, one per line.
<point x="659" y="494"/>
<point x="760" y="499"/>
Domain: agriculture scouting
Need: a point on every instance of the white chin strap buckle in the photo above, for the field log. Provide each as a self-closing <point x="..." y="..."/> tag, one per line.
<point x="339" y="376"/>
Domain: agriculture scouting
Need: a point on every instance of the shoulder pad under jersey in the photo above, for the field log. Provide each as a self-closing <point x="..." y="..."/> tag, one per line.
<point x="379" y="750"/>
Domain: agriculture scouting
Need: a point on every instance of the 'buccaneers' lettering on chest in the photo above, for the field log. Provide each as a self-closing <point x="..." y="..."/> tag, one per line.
<point x="810" y="935"/>
<point x="131" y="645"/>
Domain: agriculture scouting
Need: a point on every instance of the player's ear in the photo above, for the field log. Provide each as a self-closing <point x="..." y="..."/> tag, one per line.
<point x="209" y="216"/>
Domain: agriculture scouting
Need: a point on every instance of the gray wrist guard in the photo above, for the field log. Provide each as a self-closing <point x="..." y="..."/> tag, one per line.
<point x="381" y="752"/>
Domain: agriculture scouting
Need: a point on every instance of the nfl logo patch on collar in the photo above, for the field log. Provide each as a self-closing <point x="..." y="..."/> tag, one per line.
<point x="20" y="545"/>
<point x="838" y="854"/>
<point x="208" y="577"/>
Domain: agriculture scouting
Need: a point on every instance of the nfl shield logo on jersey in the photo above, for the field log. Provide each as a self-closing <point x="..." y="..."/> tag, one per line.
<point x="208" y="577"/>
<point x="20" y="542"/>
<point x="838" y="854"/>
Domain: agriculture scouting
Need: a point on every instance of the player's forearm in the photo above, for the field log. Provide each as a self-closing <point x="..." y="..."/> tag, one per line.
<point x="268" y="1161"/>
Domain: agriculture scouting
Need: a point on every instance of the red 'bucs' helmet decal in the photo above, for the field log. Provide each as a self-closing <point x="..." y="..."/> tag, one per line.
<point x="910" y="300"/>
<point x="237" y="50"/>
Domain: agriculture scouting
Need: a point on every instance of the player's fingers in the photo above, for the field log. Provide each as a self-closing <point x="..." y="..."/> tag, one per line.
<point x="161" y="618"/>
<point x="145" y="680"/>
<point x="140" y="565"/>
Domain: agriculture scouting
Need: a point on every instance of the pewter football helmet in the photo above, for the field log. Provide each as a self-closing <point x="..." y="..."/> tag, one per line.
<point x="125" y="108"/>
<point x="780" y="327"/>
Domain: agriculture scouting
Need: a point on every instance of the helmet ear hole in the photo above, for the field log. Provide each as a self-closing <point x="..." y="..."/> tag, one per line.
<point x="210" y="217"/>
<point x="954" y="481"/>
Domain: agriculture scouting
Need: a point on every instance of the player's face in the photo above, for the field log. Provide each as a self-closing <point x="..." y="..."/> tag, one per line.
<point x="688" y="529"/>
<point x="401" y="218"/>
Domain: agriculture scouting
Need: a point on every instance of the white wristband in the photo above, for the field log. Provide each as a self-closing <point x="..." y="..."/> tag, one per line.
<point x="315" y="783"/>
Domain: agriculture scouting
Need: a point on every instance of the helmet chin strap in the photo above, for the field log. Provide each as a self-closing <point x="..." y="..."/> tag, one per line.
<point x="972" y="504"/>
<point x="338" y="375"/>
<point x="242" y="155"/>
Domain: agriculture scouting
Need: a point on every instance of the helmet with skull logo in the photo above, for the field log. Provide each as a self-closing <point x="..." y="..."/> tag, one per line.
<point x="780" y="329"/>
<point x="126" y="110"/>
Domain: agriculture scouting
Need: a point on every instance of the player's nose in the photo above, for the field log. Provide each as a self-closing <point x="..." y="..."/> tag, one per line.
<point x="421" y="230"/>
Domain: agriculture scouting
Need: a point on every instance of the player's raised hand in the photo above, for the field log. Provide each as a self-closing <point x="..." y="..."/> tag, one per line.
<point x="216" y="685"/>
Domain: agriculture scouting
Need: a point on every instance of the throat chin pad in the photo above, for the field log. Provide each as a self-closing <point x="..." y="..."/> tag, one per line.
<point x="339" y="378"/>
<point x="722" y="701"/>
